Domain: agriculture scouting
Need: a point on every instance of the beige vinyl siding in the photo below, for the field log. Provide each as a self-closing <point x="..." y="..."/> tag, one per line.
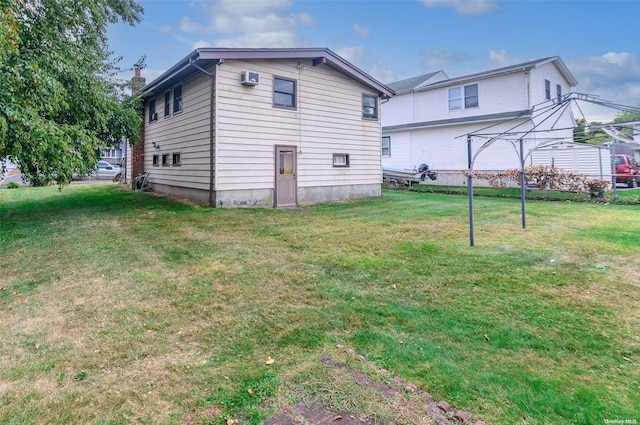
<point x="185" y="132"/>
<point x="327" y="120"/>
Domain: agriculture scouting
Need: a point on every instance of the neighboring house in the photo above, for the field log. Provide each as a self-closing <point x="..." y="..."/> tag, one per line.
<point x="429" y="118"/>
<point x="262" y="127"/>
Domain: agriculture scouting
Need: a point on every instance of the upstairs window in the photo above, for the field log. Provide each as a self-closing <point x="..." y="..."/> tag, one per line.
<point x="386" y="146"/>
<point x="370" y="106"/>
<point x="177" y="98"/>
<point x="559" y="92"/>
<point x="152" y="110"/>
<point x="167" y="103"/>
<point x="284" y="93"/>
<point x="463" y="97"/>
<point x="547" y="89"/>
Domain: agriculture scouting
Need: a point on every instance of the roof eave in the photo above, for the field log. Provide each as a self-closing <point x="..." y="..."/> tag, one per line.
<point x="317" y="55"/>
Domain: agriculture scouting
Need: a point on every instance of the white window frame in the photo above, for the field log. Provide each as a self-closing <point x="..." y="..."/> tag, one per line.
<point x="167" y="103"/>
<point x="178" y="104"/>
<point x="458" y="97"/>
<point x="386" y="139"/>
<point x="341" y="160"/>
<point x="547" y="89"/>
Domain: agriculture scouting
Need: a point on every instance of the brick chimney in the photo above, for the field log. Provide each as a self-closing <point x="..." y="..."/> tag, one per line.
<point x="137" y="82"/>
<point x="137" y="151"/>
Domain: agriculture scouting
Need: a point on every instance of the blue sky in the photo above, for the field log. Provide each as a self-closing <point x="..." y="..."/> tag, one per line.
<point x="397" y="39"/>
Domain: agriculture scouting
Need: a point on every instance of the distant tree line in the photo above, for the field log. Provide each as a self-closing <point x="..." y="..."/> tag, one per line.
<point x="590" y="133"/>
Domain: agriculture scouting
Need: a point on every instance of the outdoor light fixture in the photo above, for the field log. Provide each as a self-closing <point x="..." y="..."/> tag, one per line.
<point x="156" y="145"/>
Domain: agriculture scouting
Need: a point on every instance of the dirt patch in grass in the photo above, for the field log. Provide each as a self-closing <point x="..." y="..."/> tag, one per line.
<point x="348" y="396"/>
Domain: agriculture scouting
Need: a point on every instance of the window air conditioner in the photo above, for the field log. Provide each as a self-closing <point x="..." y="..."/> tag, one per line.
<point x="250" y="78"/>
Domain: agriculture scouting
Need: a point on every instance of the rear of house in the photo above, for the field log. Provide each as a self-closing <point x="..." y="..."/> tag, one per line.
<point x="263" y="127"/>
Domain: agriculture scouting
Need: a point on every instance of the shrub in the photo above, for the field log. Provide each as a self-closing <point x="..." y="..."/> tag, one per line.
<point x="12" y="185"/>
<point x="545" y="178"/>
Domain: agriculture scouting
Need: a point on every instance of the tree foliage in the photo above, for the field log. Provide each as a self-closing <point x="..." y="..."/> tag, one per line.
<point x="60" y="100"/>
<point x="628" y="116"/>
<point x="589" y="132"/>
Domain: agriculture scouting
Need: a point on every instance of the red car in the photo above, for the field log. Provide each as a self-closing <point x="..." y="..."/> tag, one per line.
<point x="625" y="170"/>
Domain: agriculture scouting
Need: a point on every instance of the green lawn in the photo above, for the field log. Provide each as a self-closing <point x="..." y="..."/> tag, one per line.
<point x="121" y="307"/>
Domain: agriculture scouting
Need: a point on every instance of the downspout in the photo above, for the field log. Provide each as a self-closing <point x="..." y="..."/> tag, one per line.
<point x="526" y="89"/>
<point x="210" y="202"/>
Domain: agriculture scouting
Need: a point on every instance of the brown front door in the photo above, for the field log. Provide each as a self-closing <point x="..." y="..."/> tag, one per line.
<point x="286" y="186"/>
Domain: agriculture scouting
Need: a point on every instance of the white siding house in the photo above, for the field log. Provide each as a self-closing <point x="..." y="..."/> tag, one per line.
<point x="264" y="127"/>
<point x="431" y="116"/>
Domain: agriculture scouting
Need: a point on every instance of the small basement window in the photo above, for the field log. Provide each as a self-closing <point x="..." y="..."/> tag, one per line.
<point x="156" y="160"/>
<point x="340" y="159"/>
<point x="176" y="159"/>
<point x="166" y="159"/>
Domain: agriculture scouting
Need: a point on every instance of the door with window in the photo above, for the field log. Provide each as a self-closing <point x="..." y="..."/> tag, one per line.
<point x="286" y="173"/>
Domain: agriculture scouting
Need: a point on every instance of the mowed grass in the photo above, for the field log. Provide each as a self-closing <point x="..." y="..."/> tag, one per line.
<point x="121" y="307"/>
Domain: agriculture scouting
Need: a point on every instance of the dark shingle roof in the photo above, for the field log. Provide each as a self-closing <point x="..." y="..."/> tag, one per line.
<point x="411" y="83"/>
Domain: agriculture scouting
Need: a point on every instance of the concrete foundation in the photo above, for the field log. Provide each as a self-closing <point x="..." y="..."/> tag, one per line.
<point x="263" y="198"/>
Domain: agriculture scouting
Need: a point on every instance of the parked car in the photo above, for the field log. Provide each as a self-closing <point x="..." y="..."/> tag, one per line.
<point x="625" y="170"/>
<point x="106" y="170"/>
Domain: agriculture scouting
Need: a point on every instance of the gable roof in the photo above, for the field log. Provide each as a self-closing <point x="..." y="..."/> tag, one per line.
<point x="206" y="56"/>
<point x="520" y="67"/>
<point x="419" y="81"/>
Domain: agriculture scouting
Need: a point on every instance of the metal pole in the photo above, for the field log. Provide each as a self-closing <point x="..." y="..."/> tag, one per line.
<point x="522" y="193"/>
<point x="470" y="190"/>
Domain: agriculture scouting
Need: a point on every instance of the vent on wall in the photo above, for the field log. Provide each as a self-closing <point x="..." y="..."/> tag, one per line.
<point x="250" y="78"/>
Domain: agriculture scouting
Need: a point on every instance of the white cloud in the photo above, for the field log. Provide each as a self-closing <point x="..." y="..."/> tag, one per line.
<point x="501" y="58"/>
<point x="611" y="67"/>
<point x="464" y="7"/>
<point x="200" y="43"/>
<point x="307" y="20"/>
<point x="261" y="39"/>
<point x="435" y="59"/>
<point x="613" y="77"/>
<point x="361" y="31"/>
<point x="264" y="23"/>
<point x="375" y="67"/>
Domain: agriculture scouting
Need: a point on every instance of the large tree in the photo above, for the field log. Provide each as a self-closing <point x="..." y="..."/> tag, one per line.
<point x="60" y="101"/>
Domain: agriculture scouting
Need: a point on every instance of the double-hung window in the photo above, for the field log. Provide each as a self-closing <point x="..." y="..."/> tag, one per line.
<point x="284" y="93"/>
<point x="559" y="92"/>
<point x="177" y="98"/>
<point x="152" y="110"/>
<point x="463" y="97"/>
<point x="386" y="146"/>
<point x="370" y="106"/>
<point x="547" y="89"/>
<point x="167" y="103"/>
